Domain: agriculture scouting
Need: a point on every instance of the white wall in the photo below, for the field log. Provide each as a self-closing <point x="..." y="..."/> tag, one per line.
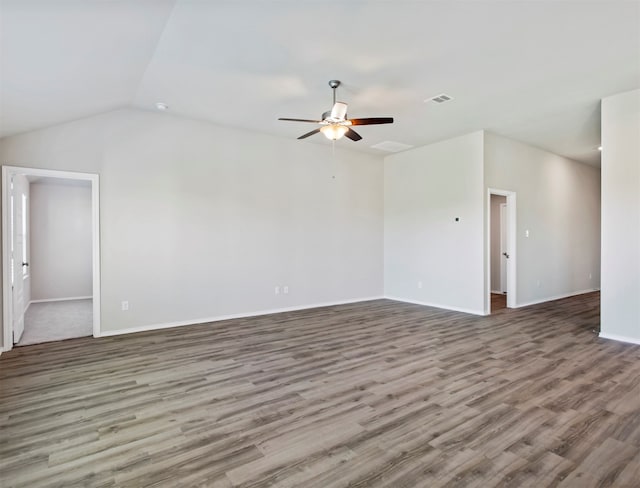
<point x="558" y="201"/>
<point x="202" y="221"/>
<point x="620" y="296"/>
<point x="496" y="200"/>
<point x="425" y="190"/>
<point x="61" y="248"/>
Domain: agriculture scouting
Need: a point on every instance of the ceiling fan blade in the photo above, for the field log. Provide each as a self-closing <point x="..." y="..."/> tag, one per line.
<point x="372" y="121"/>
<point x="304" y="136"/>
<point x="300" y="120"/>
<point x="353" y="135"/>
<point x="339" y="111"/>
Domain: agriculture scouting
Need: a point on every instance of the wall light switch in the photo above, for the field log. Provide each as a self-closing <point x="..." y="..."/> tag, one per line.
<point x="277" y="290"/>
<point x="285" y="289"/>
<point x="125" y="306"/>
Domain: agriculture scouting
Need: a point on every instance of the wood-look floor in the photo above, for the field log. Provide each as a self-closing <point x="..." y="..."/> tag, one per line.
<point x="376" y="394"/>
<point x="498" y="302"/>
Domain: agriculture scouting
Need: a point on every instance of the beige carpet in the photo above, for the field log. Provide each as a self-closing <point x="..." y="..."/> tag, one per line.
<point x="55" y="321"/>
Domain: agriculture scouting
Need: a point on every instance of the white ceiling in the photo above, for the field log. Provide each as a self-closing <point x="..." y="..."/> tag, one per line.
<point x="531" y="70"/>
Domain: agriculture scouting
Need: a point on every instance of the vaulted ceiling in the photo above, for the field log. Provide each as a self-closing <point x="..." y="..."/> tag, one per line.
<point x="533" y="71"/>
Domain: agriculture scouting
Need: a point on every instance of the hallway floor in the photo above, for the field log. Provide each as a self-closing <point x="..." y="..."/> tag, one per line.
<point x="55" y="321"/>
<point x="498" y="302"/>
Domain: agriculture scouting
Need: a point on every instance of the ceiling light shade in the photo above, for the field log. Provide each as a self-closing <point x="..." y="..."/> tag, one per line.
<point x="333" y="132"/>
<point x="162" y="106"/>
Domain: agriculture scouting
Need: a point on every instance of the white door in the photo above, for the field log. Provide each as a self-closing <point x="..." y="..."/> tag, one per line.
<point x="19" y="253"/>
<point x="504" y="250"/>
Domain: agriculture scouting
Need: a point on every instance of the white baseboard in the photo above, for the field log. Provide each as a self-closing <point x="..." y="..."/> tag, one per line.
<point x="436" y="305"/>
<point x="614" y="337"/>
<point x="168" y="325"/>
<point x="60" y="299"/>
<point x="557" y="297"/>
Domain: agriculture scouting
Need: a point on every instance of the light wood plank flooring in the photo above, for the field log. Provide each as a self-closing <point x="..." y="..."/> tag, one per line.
<point x="376" y="394"/>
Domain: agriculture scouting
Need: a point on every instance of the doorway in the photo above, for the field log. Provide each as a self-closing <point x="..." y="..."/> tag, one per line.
<point x="499" y="255"/>
<point x="501" y="250"/>
<point x="45" y="276"/>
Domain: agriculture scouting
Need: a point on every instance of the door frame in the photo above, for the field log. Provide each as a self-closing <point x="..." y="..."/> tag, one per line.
<point x="511" y="245"/>
<point x="94" y="179"/>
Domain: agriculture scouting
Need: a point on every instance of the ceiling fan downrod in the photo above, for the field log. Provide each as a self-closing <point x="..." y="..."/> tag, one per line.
<point x="334" y="84"/>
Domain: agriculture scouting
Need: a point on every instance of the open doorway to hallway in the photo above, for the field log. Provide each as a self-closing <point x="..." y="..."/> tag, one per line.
<point x="501" y="250"/>
<point x="50" y="256"/>
<point x="60" y="283"/>
<point x="498" y="206"/>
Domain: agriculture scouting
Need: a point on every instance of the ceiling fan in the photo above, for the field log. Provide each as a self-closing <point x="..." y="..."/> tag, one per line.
<point x="335" y="123"/>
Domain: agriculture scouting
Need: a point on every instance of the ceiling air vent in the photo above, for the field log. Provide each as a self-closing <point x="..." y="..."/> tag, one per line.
<point x="443" y="97"/>
<point x="391" y="146"/>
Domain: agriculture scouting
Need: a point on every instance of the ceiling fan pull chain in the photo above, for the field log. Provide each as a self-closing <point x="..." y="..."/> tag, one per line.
<point x="333" y="158"/>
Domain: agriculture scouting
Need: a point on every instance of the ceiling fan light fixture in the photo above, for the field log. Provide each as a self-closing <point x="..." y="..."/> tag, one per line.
<point x="333" y="132"/>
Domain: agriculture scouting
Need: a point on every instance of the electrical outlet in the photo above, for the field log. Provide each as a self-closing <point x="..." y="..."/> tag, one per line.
<point x="420" y="284"/>
<point x="125" y="306"/>
<point x="277" y="290"/>
<point x="285" y="289"/>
